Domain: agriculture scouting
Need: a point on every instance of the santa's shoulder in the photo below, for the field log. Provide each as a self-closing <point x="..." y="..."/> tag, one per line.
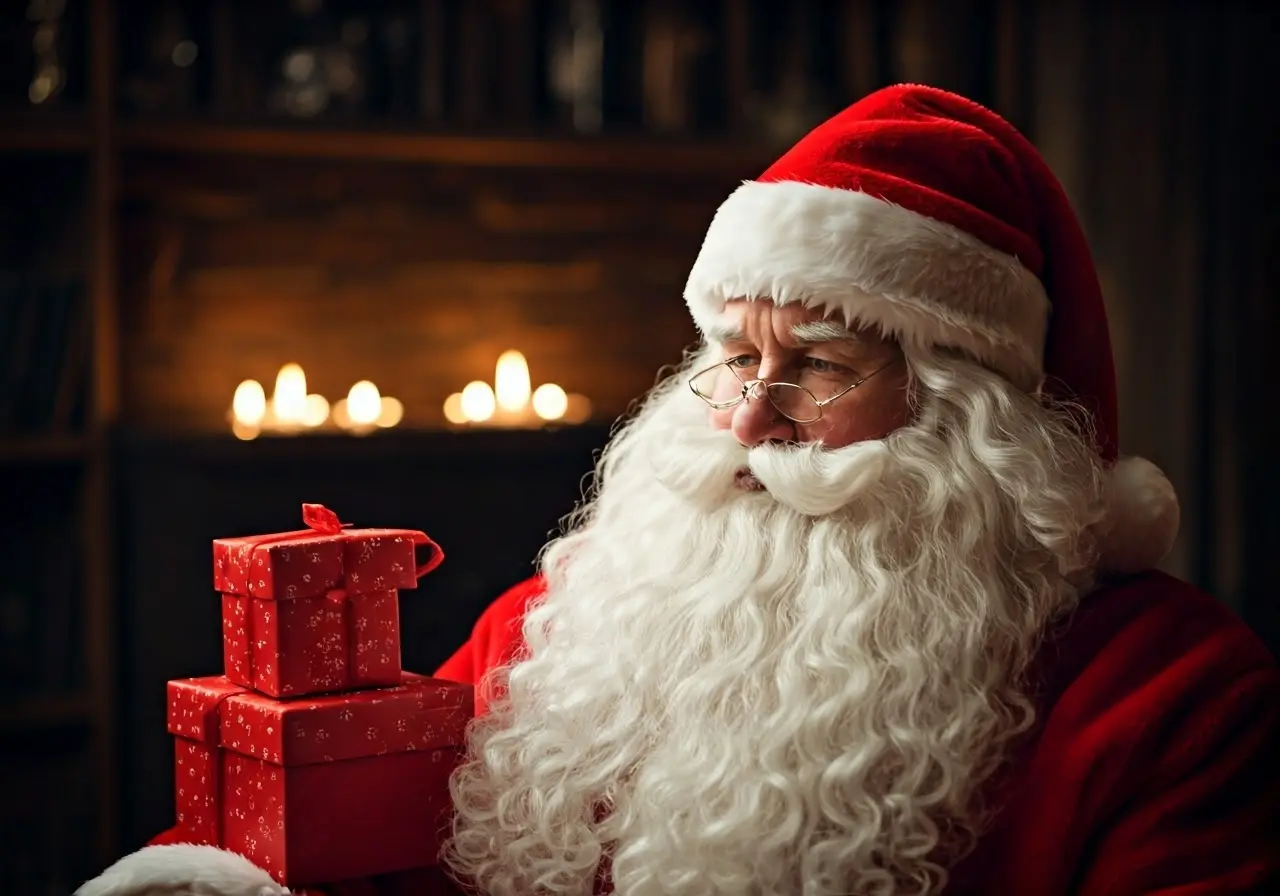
<point x="1156" y="634"/>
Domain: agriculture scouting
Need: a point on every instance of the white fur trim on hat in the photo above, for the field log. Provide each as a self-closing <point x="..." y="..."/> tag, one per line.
<point x="183" y="868"/>
<point x="1142" y="519"/>
<point x="877" y="263"/>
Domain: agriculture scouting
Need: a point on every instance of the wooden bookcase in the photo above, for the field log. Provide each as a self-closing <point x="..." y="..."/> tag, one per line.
<point x="58" y="736"/>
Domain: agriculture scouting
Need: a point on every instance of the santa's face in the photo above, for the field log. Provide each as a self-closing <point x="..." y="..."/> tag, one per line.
<point x="800" y="688"/>
<point x="852" y="384"/>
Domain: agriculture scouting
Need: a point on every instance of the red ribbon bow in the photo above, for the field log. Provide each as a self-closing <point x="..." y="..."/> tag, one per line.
<point x="323" y="520"/>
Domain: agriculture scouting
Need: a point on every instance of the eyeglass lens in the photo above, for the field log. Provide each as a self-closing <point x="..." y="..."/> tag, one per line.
<point x="722" y="387"/>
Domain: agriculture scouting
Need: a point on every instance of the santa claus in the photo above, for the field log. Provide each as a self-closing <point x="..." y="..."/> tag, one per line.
<point x="863" y="600"/>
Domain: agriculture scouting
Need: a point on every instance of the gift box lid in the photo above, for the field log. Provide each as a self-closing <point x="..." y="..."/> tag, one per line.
<point x="327" y="554"/>
<point x="420" y="713"/>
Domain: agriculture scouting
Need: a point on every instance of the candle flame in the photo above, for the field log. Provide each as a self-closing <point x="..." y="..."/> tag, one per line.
<point x="550" y="401"/>
<point x="477" y="402"/>
<point x="289" y="403"/>
<point x="511" y="381"/>
<point x="249" y="406"/>
<point x="364" y="403"/>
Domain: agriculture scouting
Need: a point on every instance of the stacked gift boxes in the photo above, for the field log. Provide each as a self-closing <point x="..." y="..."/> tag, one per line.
<point x="314" y="754"/>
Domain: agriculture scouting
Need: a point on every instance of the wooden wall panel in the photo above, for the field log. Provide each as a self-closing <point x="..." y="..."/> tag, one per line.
<point x="415" y="277"/>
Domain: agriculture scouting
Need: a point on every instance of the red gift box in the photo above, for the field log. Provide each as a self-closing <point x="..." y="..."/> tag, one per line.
<point x="318" y="790"/>
<point x="327" y="555"/>
<point x="309" y="645"/>
<point x="316" y="610"/>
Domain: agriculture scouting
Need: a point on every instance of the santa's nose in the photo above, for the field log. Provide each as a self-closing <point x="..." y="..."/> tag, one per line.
<point x="756" y="421"/>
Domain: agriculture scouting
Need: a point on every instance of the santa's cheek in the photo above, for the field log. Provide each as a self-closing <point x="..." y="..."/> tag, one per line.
<point x="720" y="419"/>
<point x="831" y="433"/>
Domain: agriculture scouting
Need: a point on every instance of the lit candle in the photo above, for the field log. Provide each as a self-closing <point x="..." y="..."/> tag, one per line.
<point x="249" y="406"/>
<point x="550" y="402"/>
<point x="511" y="402"/>
<point x="477" y="402"/>
<point x="511" y="382"/>
<point x="364" y="403"/>
<point x="289" y="403"/>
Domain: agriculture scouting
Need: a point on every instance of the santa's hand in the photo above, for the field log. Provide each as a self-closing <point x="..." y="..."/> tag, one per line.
<point x="183" y="869"/>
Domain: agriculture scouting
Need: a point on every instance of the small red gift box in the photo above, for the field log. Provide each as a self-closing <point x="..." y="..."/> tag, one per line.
<point x="316" y="610"/>
<point x="309" y="645"/>
<point x="318" y="790"/>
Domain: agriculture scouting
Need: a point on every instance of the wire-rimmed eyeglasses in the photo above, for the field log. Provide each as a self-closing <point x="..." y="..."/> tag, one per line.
<point x="791" y="400"/>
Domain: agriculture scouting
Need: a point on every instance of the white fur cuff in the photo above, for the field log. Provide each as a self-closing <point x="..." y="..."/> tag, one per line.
<point x="916" y="278"/>
<point x="183" y="868"/>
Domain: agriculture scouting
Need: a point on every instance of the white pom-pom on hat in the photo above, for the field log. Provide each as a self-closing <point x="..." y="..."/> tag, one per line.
<point x="1142" y="520"/>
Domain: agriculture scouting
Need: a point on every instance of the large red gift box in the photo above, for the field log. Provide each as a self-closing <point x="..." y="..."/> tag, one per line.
<point x="316" y="610"/>
<point x="322" y="789"/>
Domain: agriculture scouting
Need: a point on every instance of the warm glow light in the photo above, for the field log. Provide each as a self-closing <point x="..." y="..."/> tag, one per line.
<point x="511" y="403"/>
<point x="578" y="409"/>
<point x="316" y="411"/>
<point x="511" y="381"/>
<point x="244" y="431"/>
<point x="289" y="403"/>
<point x="364" y="404"/>
<point x="550" y="402"/>
<point x="477" y="401"/>
<point x="453" y="409"/>
<point x="250" y="404"/>
<point x="392" y="412"/>
<point x="339" y="414"/>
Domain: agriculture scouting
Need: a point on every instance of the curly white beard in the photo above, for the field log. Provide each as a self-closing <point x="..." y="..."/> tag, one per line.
<point x="798" y="690"/>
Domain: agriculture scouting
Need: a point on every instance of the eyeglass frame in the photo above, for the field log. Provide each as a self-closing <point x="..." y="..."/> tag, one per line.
<point x="749" y="385"/>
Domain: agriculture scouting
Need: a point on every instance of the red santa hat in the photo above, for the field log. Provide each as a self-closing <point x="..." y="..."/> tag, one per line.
<point x="930" y="217"/>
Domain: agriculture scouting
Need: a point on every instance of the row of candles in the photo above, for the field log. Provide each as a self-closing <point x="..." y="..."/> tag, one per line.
<point x="511" y="402"/>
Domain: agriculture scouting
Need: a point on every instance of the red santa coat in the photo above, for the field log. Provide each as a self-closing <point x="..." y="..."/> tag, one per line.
<point x="1151" y="769"/>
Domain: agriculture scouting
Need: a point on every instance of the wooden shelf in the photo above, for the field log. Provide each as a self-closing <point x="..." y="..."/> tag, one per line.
<point x="615" y="153"/>
<point x="636" y="154"/>
<point x="41" y="449"/>
<point x="33" y="713"/>
<point x="428" y="446"/>
<point x="31" y="133"/>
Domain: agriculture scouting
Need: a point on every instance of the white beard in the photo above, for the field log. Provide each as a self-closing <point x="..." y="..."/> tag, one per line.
<point x="792" y="691"/>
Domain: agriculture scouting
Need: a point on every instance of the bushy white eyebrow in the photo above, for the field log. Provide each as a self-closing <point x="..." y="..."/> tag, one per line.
<point x="808" y="333"/>
<point x="722" y="333"/>
<point x="812" y="332"/>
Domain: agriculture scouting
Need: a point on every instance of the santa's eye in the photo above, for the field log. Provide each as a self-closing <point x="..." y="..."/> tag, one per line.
<point x="822" y="365"/>
<point x="743" y="361"/>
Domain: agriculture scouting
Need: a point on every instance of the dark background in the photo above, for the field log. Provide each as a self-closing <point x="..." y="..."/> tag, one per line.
<point x="177" y="215"/>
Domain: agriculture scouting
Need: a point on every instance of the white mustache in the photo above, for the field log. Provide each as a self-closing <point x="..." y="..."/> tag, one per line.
<point x="817" y="481"/>
<point x="700" y="464"/>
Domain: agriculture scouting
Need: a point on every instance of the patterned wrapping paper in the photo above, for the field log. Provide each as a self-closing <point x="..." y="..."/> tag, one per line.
<point x="316" y="610"/>
<point x="328" y="555"/>
<point x="290" y="648"/>
<point x="318" y="789"/>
